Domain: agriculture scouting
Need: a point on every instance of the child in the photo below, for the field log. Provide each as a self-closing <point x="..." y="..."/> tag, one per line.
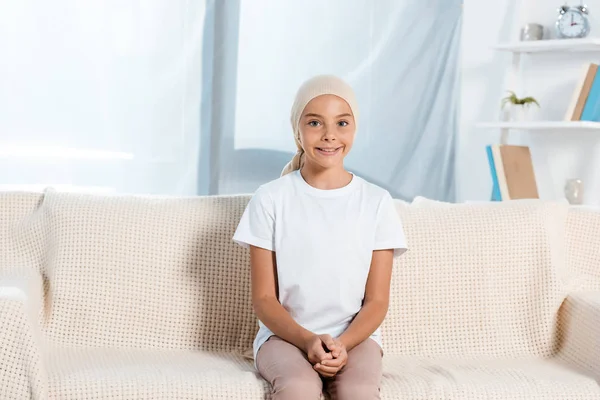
<point x="321" y="245"/>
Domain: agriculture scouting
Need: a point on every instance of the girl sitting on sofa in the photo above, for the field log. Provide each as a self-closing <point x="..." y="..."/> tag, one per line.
<point x="322" y="242"/>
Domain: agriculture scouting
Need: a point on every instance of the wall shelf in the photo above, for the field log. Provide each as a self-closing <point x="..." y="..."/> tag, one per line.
<point x="552" y="45"/>
<point x="542" y="125"/>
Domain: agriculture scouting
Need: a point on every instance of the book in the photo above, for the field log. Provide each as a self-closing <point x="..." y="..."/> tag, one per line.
<point x="591" y="110"/>
<point x="495" y="186"/>
<point x="502" y="183"/>
<point x="512" y="172"/>
<point x="581" y="92"/>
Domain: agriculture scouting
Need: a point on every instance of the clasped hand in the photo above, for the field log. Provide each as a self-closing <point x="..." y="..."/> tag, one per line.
<point x="327" y="355"/>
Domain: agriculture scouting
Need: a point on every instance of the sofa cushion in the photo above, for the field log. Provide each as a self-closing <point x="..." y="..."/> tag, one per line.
<point x="526" y="379"/>
<point x="147" y="272"/>
<point x="164" y="375"/>
<point x="77" y="374"/>
<point x="478" y="279"/>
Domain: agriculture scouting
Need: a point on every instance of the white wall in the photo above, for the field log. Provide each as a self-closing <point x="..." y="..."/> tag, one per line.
<point x="549" y="77"/>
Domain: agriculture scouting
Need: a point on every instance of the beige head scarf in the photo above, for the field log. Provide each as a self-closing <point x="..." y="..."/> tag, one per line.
<point x="315" y="87"/>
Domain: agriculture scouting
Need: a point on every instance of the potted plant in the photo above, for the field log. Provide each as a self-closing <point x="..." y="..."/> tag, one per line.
<point x="518" y="106"/>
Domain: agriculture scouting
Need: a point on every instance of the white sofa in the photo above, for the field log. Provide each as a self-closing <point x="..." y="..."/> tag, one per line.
<point x="127" y="297"/>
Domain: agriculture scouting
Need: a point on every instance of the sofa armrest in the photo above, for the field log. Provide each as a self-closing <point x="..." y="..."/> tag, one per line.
<point x="579" y="332"/>
<point x="22" y="371"/>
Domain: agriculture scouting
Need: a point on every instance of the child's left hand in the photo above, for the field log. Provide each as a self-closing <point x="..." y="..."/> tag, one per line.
<point x="329" y="368"/>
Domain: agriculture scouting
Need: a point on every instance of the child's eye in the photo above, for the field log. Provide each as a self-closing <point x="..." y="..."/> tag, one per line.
<point x="314" y="124"/>
<point x="343" y="123"/>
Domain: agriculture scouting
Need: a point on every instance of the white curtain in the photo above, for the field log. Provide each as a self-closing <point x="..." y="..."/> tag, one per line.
<point x="193" y="97"/>
<point x="402" y="60"/>
<point x="100" y="95"/>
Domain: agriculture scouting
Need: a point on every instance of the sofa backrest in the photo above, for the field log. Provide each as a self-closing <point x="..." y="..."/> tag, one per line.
<point x="481" y="280"/>
<point x="583" y="248"/>
<point x="15" y="208"/>
<point x="146" y="272"/>
<point x="150" y="272"/>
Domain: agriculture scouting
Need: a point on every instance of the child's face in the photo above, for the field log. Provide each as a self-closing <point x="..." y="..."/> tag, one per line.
<point x="327" y="131"/>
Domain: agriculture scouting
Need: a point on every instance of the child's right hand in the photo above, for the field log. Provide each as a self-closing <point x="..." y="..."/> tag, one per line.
<point x="329" y="368"/>
<point x="319" y="348"/>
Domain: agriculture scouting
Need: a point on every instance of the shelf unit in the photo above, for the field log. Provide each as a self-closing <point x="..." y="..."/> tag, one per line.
<point x="518" y="48"/>
<point x="552" y="45"/>
<point x="541" y="125"/>
<point x="514" y="80"/>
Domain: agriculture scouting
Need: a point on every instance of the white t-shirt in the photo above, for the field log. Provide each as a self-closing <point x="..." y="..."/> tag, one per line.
<point x="323" y="242"/>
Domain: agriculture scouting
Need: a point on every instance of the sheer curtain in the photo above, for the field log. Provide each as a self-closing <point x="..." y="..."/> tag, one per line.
<point x="192" y="97"/>
<point x="101" y="96"/>
<point x="402" y="60"/>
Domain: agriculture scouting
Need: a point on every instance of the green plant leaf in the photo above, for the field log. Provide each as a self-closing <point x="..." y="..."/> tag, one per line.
<point x="513" y="99"/>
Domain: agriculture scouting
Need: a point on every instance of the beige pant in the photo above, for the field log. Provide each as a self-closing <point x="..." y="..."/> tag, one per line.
<point x="292" y="376"/>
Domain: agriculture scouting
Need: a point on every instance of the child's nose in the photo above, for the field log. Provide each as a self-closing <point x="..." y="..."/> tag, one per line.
<point x="328" y="135"/>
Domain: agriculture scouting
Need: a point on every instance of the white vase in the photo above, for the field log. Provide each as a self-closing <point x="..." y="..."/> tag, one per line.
<point x="519" y="113"/>
<point x="574" y="191"/>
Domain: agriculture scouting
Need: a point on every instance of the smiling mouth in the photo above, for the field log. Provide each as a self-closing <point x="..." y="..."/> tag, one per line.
<point x="328" y="151"/>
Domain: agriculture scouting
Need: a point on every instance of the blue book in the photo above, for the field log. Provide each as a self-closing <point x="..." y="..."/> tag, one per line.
<point x="496" y="196"/>
<point x="591" y="109"/>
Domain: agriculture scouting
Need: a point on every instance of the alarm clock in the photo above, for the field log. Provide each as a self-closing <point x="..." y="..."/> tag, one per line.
<point x="572" y="22"/>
